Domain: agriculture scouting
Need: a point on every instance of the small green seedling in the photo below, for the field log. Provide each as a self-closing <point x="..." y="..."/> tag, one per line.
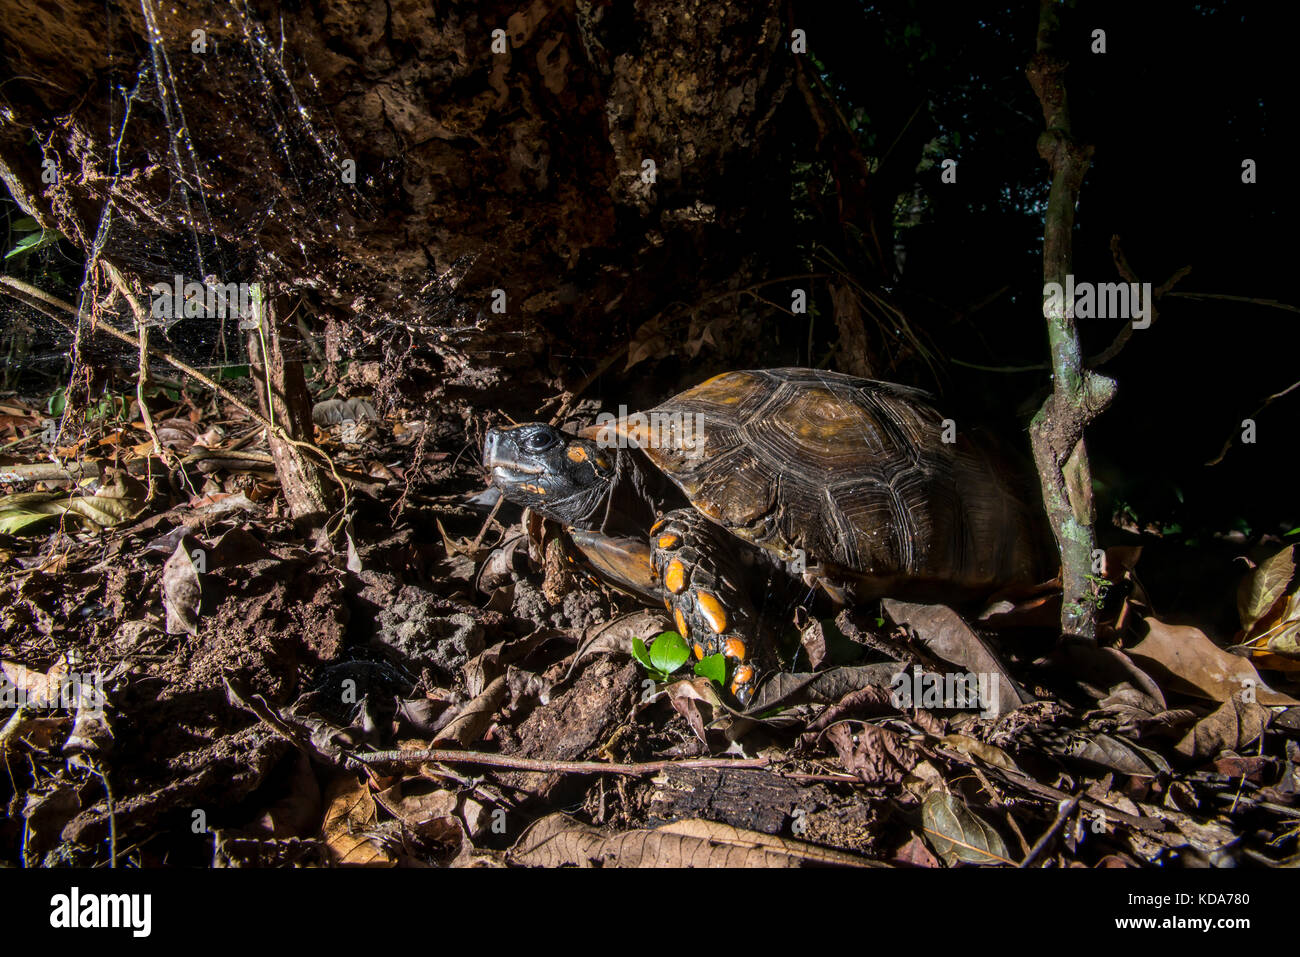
<point x="666" y="654"/>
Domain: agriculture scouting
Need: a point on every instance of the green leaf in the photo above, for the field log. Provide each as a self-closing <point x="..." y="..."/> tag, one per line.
<point x="25" y="225"/>
<point x="713" y="667"/>
<point x="56" y="403"/>
<point x="26" y="511"/>
<point x="641" y="654"/>
<point x="669" y="652"/>
<point x="32" y="242"/>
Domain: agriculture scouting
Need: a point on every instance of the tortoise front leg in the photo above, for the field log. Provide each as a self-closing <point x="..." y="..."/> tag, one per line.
<point x="701" y="574"/>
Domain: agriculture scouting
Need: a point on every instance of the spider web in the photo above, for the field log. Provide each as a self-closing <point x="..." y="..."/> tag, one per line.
<point x="200" y="233"/>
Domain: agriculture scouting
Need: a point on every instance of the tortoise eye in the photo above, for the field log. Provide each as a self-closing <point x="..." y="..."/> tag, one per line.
<point x="540" y="441"/>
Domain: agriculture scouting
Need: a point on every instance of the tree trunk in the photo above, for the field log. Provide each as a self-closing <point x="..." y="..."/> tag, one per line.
<point x="1078" y="395"/>
<point x="282" y="396"/>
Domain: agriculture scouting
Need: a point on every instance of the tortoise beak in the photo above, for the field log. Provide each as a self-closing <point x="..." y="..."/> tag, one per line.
<point x="490" y="448"/>
<point x="501" y="459"/>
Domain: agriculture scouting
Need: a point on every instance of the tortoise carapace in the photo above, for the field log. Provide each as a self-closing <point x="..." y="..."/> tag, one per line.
<point x="859" y="487"/>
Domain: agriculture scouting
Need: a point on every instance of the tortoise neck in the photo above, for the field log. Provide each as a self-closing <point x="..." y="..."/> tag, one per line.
<point x="630" y="500"/>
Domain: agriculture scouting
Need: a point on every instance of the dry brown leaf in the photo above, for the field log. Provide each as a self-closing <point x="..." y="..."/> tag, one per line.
<point x="1115" y="754"/>
<point x="558" y="841"/>
<point x="945" y="634"/>
<point x="958" y="834"/>
<point x="1277" y="634"/>
<point x="617" y="634"/>
<point x="785" y="689"/>
<point x="916" y="854"/>
<point x="1230" y="728"/>
<point x="298" y="810"/>
<point x="37" y="689"/>
<point x="648" y="342"/>
<point x="1183" y="659"/>
<point x="430" y="811"/>
<point x="876" y="755"/>
<point x="686" y="697"/>
<point x="350" y="808"/>
<point x="181" y="588"/>
<point x="39" y="734"/>
<point x="987" y="753"/>
<point x="813" y="639"/>
<point x="1260" y="590"/>
<point x="475" y="718"/>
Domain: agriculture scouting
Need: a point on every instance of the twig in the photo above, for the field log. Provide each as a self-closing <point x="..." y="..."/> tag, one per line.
<point x="1062" y="815"/>
<point x="1270" y="303"/>
<point x="25" y="293"/>
<point x="1127" y="273"/>
<point x="28" y="292"/>
<point x="112" y="813"/>
<point x="142" y="374"/>
<point x="1001" y="805"/>
<point x="539" y="766"/>
<point x="1267" y="402"/>
<point x="1038" y="367"/>
<point x="478" y="539"/>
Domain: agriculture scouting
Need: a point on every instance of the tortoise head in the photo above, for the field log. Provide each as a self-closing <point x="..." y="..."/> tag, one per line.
<point x="559" y="475"/>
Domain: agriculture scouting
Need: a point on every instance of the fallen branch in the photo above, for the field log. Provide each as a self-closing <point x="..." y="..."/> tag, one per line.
<point x="540" y="766"/>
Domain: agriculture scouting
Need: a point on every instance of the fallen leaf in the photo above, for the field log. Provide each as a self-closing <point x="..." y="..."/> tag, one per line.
<point x="1260" y="590"/>
<point x="559" y="841"/>
<point x="618" y="635"/>
<point x="945" y="634"/>
<point x="182" y="590"/>
<point x="784" y="689"/>
<point x="958" y="834"/>
<point x="474" y="718"/>
<point x="26" y="686"/>
<point x="916" y="854"/>
<point x="1277" y="634"/>
<point x="1114" y="754"/>
<point x="688" y="695"/>
<point x="1232" y="727"/>
<point x="350" y="809"/>
<point x="987" y="753"/>
<point x="1184" y="659"/>
<point x="813" y="639"/>
<point x="876" y="755"/>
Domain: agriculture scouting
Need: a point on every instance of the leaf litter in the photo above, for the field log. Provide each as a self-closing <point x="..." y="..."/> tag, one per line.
<point x="171" y="633"/>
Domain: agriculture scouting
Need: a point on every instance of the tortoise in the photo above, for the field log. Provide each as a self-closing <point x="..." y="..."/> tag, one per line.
<point x="859" y="487"/>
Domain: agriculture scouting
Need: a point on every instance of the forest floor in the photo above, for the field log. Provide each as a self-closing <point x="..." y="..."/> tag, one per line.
<point x="187" y="680"/>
